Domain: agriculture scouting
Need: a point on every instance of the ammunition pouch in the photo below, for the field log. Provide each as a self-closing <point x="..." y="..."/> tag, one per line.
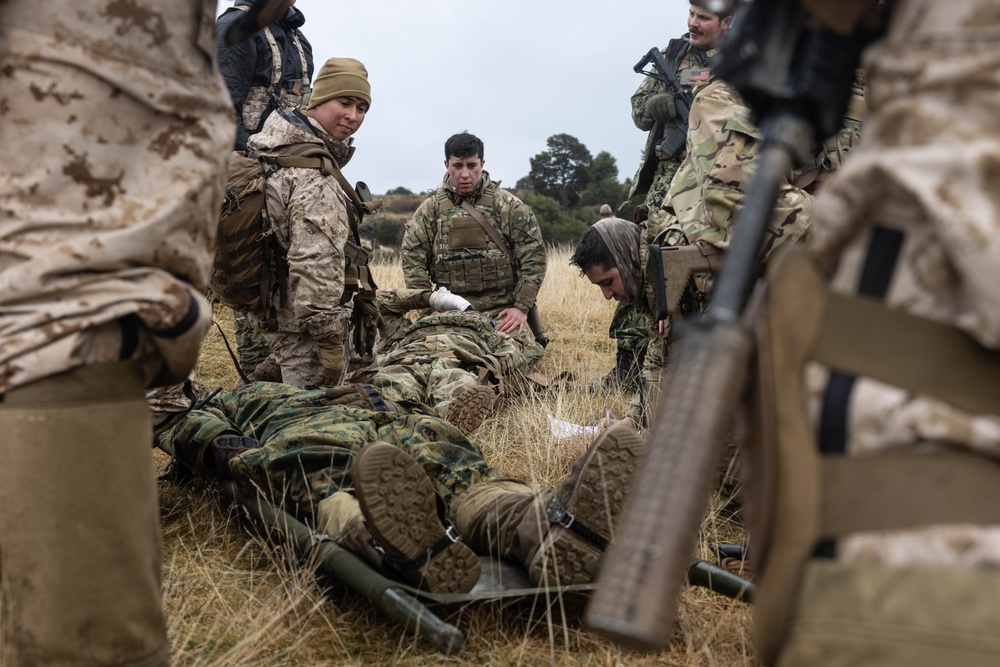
<point x="797" y="497"/>
<point x="471" y="271"/>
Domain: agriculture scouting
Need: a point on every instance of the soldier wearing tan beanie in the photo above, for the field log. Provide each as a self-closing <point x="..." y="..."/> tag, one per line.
<point x="340" y="77"/>
<point x="321" y="330"/>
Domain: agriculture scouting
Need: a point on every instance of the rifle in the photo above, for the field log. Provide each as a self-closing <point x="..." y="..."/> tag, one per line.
<point x="795" y="75"/>
<point x="663" y="72"/>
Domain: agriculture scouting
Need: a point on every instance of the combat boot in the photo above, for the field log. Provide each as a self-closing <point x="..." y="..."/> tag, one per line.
<point x="559" y="535"/>
<point x="468" y="410"/>
<point x="400" y="507"/>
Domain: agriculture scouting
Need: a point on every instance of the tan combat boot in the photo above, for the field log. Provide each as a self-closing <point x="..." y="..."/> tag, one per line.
<point x="559" y="534"/>
<point x="468" y="410"/>
<point x="400" y="508"/>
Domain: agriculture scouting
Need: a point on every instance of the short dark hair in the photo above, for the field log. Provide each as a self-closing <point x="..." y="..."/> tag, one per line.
<point x="590" y="250"/>
<point x="463" y="144"/>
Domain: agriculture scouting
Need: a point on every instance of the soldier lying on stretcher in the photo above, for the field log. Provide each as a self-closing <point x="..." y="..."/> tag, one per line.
<point x="409" y="493"/>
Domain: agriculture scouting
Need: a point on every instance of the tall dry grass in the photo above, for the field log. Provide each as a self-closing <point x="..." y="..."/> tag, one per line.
<point x="233" y="598"/>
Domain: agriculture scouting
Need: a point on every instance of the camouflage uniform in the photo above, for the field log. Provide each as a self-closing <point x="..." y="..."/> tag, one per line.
<point x="657" y="170"/>
<point x="704" y="197"/>
<point x="116" y="126"/>
<point x="269" y="71"/>
<point x="445" y="246"/>
<point x="308" y="444"/>
<point x="313" y="218"/>
<point x="433" y="360"/>
<point x="924" y="181"/>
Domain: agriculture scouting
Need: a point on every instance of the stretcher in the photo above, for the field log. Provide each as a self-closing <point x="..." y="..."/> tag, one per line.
<point x="415" y="609"/>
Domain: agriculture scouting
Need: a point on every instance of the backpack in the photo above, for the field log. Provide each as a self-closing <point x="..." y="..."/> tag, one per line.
<point x="250" y="268"/>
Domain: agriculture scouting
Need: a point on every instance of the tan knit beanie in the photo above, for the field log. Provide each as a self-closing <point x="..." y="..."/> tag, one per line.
<point x="340" y="77"/>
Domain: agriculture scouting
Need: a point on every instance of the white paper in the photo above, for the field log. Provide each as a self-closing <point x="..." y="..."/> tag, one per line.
<point x="563" y="429"/>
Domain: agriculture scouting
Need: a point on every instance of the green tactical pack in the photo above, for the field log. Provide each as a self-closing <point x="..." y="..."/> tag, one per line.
<point x="250" y="267"/>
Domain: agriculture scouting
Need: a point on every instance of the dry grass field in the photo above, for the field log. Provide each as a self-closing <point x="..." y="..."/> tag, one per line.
<point x="232" y="598"/>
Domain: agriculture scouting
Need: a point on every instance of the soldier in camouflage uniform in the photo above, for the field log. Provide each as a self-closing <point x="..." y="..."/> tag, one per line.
<point x="269" y="72"/>
<point x="654" y="110"/>
<point x="912" y="219"/>
<point x="700" y="208"/>
<point x="375" y="479"/>
<point x="316" y="221"/>
<point x="455" y="362"/>
<point x="654" y="107"/>
<point x="116" y="126"/>
<point x="444" y="244"/>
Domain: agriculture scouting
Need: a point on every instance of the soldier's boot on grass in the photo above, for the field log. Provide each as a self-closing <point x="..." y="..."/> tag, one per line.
<point x="468" y="410"/>
<point x="400" y="508"/>
<point x="559" y="534"/>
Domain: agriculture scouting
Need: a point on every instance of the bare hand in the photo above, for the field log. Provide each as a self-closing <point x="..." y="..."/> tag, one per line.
<point x="606" y="423"/>
<point x="511" y="320"/>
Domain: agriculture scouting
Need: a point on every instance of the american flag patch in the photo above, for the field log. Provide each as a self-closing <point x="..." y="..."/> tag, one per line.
<point x="700" y="74"/>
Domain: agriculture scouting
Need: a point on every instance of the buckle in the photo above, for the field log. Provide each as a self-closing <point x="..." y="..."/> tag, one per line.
<point x="452" y="534"/>
<point x="557" y="514"/>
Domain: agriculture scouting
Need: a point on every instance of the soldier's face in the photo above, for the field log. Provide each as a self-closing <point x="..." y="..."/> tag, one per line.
<point x="342" y="116"/>
<point x="609" y="279"/>
<point x="464" y="172"/>
<point x="705" y="28"/>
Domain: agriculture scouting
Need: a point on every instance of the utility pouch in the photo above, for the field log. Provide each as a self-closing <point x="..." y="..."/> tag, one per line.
<point x="466" y="233"/>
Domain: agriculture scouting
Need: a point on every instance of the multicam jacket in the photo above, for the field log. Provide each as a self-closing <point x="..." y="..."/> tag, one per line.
<point x="445" y="246"/>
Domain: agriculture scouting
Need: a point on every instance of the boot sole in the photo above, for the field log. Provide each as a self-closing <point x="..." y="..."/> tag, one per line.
<point x="468" y="410"/>
<point x="398" y="501"/>
<point x="566" y="558"/>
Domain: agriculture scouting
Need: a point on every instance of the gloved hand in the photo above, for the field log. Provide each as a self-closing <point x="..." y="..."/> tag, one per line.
<point x="226" y="447"/>
<point x="359" y="395"/>
<point x="442" y="299"/>
<point x="661" y="108"/>
<point x="332" y="358"/>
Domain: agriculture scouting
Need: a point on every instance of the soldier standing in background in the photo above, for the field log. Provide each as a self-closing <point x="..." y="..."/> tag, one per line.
<point x="450" y="241"/>
<point x="269" y="72"/>
<point x="654" y="110"/>
<point x="116" y="126"/>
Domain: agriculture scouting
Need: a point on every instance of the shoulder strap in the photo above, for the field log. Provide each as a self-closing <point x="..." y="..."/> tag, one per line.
<point x="275" y="55"/>
<point x="488" y="228"/>
<point x="312" y="156"/>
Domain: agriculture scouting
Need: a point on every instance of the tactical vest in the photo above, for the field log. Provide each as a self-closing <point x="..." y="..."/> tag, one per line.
<point x="261" y="99"/>
<point x="466" y="261"/>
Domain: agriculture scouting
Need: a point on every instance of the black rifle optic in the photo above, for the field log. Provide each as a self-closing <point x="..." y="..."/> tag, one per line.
<point x="662" y="71"/>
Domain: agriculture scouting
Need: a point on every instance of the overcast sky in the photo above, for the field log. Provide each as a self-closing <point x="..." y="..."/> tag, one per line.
<point x="513" y="72"/>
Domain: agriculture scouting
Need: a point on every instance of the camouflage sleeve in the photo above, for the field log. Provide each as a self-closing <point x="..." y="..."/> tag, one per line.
<point x="418" y="247"/>
<point x="317" y="211"/>
<point x="190" y="438"/>
<point x="519" y="226"/>
<point x="647" y="89"/>
<point x="708" y="190"/>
